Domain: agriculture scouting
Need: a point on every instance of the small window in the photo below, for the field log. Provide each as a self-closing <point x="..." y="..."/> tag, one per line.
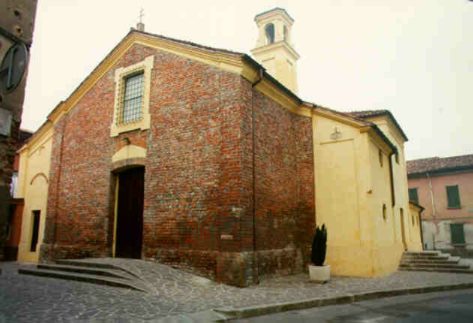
<point x="413" y="221"/>
<point x="286" y="33"/>
<point x="384" y="212"/>
<point x="453" y="197"/>
<point x="413" y="195"/>
<point x="269" y="30"/>
<point x="457" y="233"/>
<point x="132" y="99"/>
<point x="380" y="157"/>
<point x="396" y="157"/>
<point x="35" y="230"/>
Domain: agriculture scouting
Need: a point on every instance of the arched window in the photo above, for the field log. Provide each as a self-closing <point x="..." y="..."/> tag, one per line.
<point x="269" y="29"/>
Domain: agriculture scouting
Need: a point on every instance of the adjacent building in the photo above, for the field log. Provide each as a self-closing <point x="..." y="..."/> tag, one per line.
<point x="444" y="187"/>
<point x="16" y="33"/>
<point x="206" y="158"/>
<point x="15" y="211"/>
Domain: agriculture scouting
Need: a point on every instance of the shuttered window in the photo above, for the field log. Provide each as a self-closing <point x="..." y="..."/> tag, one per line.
<point x="413" y="195"/>
<point x="457" y="233"/>
<point x="453" y="197"/>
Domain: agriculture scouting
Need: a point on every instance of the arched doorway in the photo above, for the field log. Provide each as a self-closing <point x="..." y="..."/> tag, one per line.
<point x="129" y="213"/>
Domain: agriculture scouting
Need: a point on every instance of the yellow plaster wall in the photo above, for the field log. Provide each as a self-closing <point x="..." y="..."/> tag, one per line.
<point x="413" y="239"/>
<point x="341" y="201"/>
<point x="33" y="176"/>
<point x="414" y="222"/>
<point x="280" y="62"/>
<point x="351" y="188"/>
<point x="386" y="249"/>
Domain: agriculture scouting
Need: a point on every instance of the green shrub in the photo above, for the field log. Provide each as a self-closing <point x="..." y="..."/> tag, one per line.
<point x="319" y="246"/>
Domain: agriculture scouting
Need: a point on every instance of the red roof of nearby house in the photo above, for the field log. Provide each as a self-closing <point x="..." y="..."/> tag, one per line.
<point x="437" y="164"/>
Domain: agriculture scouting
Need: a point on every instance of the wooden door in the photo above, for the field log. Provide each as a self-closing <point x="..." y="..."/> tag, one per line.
<point x="129" y="230"/>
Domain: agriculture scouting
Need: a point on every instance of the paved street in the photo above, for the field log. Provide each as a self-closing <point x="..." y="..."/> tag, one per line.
<point x="173" y="292"/>
<point x="454" y="307"/>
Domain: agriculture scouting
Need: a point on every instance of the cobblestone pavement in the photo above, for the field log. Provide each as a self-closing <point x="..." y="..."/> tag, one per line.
<point x="37" y="299"/>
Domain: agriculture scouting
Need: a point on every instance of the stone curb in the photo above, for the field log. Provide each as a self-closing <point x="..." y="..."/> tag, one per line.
<point x="245" y="312"/>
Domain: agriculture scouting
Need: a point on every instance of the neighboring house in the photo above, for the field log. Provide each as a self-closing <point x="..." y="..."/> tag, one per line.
<point x="16" y="34"/>
<point x="201" y="157"/>
<point x="13" y="227"/>
<point x="444" y="187"/>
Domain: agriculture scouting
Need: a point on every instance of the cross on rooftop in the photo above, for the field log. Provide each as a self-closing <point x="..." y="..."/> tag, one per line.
<point x="142" y="14"/>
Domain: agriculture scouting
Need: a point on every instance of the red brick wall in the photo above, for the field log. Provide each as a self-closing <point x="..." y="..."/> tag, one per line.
<point x="284" y="187"/>
<point x="198" y="207"/>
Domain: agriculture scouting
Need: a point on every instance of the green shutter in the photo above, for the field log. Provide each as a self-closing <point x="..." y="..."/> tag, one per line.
<point x="453" y="196"/>
<point x="457" y="233"/>
<point x="413" y="195"/>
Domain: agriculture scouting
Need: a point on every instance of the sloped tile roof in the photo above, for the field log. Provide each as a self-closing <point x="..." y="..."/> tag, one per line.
<point x="366" y="114"/>
<point x="437" y="164"/>
<point x="189" y="43"/>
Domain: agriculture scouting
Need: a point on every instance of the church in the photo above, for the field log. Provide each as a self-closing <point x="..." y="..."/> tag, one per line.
<point x="207" y="159"/>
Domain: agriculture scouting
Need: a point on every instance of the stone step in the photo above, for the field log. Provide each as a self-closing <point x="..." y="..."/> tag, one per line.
<point x="95" y="279"/>
<point x="422" y="253"/>
<point x="428" y="261"/>
<point x="457" y="271"/>
<point x="426" y="258"/>
<point x="433" y="266"/>
<point x="91" y="264"/>
<point x="85" y="270"/>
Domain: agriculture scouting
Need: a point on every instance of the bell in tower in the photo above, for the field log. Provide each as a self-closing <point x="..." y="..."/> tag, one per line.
<point x="274" y="49"/>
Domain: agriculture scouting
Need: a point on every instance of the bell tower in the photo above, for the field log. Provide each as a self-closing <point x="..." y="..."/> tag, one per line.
<point x="274" y="48"/>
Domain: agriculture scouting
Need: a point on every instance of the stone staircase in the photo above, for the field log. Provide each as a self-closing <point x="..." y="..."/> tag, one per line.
<point x="435" y="261"/>
<point x="88" y="271"/>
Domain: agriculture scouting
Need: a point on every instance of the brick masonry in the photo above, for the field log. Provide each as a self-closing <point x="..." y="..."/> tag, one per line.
<point x="214" y="144"/>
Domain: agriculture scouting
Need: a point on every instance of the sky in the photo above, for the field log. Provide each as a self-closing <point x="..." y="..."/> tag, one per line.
<point x="413" y="57"/>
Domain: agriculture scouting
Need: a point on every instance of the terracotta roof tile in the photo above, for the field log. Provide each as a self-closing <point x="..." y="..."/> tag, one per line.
<point x="436" y="164"/>
<point x="186" y="42"/>
<point x="366" y="114"/>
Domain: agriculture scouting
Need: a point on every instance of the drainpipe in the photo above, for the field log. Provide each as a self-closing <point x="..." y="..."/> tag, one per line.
<point x="253" y="135"/>
<point x="391" y="179"/>
<point x="420" y="228"/>
<point x="434" y="211"/>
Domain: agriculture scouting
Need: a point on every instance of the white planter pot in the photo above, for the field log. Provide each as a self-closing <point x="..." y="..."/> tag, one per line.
<point x="320" y="274"/>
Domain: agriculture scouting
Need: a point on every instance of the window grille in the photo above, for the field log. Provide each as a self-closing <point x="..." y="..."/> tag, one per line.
<point x="132" y="105"/>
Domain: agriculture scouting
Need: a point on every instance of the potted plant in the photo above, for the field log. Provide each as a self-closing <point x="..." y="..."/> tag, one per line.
<point x="317" y="271"/>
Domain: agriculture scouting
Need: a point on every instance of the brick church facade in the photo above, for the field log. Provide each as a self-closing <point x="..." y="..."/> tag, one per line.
<point x="228" y="173"/>
<point x="192" y="156"/>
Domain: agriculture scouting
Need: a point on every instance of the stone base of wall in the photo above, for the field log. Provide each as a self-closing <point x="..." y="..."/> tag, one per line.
<point x="287" y="261"/>
<point x="51" y="252"/>
<point x="233" y="268"/>
<point x="202" y="262"/>
<point x="236" y="268"/>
